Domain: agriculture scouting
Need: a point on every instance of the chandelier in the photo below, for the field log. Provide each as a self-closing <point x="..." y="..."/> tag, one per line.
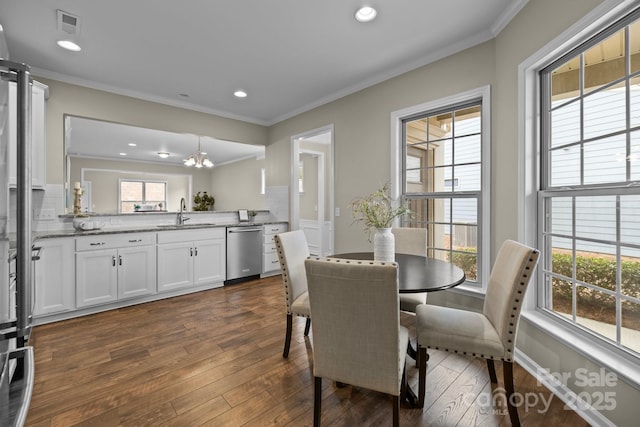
<point x="198" y="159"/>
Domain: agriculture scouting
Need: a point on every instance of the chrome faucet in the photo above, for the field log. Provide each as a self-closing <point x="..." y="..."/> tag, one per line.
<point x="183" y="208"/>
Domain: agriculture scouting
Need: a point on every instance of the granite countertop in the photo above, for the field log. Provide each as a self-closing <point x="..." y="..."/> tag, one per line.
<point x="147" y="228"/>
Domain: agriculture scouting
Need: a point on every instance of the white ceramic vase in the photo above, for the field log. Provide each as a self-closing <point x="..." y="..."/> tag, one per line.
<point x="384" y="245"/>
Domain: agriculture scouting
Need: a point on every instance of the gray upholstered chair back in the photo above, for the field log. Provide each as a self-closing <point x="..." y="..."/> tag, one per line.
<point x="292" y="252"/>
<point x="411" y="241"/>
<point x="356" y="323"/>
<point x="507" y="285"/>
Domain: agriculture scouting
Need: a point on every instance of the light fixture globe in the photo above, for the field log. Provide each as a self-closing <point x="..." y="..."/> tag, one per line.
<point x="366" y="14"/>
<point x="198" y="159"/>
<point x="191" y="161"/>
<point x="69" y="45"/>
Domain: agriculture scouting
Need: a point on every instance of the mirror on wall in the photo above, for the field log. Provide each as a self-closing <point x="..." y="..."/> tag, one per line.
<point x="110" y="158"/>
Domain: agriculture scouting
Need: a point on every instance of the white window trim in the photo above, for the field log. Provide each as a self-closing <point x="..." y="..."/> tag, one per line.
<point x="528" y="182"/>
<point x="144" y="181"/>
<point x="395" y="179"/>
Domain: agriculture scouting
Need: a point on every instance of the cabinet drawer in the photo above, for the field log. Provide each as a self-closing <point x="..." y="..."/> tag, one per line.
<point x="109" y="241"/>
<point x="269" y="232"/>
<point x="177" y="236"/>
<point x="269" y="247"/>
<point x="275" y="228"/>
<point x="270" y="262"/>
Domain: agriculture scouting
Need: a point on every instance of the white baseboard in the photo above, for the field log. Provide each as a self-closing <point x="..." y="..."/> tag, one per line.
<point x="582" y="408"/>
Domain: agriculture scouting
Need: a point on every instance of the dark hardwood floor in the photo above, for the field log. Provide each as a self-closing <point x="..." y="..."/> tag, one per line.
<point x="215" y="358"/>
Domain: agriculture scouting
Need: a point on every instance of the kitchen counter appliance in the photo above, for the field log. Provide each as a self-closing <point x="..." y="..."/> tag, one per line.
<point x="244" y="253"/>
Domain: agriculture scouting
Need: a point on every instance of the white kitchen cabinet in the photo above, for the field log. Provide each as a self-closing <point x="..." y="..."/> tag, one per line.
<point x="54" y="276"/>
<point x="270" y="261"/>
<point x="191" y="258"/>
<point x="113" y="267"/>
<point x="38" y="135"/>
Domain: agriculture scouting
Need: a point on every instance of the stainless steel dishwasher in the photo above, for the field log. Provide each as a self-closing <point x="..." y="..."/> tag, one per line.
<point x="244" y="253"/>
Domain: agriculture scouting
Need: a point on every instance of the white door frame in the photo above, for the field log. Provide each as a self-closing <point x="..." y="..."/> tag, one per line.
<point x="320" y="197"/>
<point x="294" y="196"/>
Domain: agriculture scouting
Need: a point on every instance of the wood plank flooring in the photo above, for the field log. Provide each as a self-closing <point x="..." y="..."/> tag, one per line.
<point x="214" y="358"/>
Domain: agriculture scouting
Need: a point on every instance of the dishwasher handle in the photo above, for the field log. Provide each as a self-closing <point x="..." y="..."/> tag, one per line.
<point x="243" y="230"/>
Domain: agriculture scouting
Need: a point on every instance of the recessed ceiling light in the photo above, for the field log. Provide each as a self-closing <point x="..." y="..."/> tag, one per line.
<point x="240" y="93"/>
<point x="366" y="14"/>
<point x="69" y="45"/>
<point x="123" y="154"/>
<point x="132" y="144"/>
<point x="163" y="154"/>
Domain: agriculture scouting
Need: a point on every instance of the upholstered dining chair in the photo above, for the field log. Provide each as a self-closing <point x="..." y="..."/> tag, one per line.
<point x="357" y="337"/>
<point x="490" y="334"/>
<point x="411" y="241"/>
<point x="292" y="251"/>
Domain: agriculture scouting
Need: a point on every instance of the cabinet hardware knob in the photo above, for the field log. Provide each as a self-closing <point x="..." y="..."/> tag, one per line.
<point x="135" y="240"/>
<point x="113" y="260"/>
<point x="97" y="244"/>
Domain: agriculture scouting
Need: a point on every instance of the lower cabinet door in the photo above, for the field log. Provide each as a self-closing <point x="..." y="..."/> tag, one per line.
<point x="175" y="266"/>
<point x="136" y="271"/>
<point x="96" y="277"/>
<point x="209" y="261"/>
<point x="54" y="277"/>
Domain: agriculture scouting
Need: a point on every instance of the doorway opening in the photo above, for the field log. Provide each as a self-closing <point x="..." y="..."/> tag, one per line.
<point x="312" y="188"/>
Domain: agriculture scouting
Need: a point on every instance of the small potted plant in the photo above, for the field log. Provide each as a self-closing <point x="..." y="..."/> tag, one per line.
<point x="203" y="202"/>
<point x="252" y="215"/>
<point x="377" y="212"/>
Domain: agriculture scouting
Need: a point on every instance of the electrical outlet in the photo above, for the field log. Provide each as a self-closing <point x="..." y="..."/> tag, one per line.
<point x="45" y="215"/>
<point x="337" y="211"/>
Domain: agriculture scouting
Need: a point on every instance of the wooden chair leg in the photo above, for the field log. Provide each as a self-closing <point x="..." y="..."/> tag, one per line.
<point x="307" y="326"/>
<point x="403" y="386"/>
<point x="492" y="371"/>
<point x="422" y="375"/>
<point x="507" y="367"/>
<point x="287" y="337"/>
<point x="396" y="411"/>
<point x="317" y="401"/>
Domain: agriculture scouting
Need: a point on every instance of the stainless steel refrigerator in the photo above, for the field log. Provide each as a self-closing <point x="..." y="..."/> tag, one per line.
<point x="16" y="356"/>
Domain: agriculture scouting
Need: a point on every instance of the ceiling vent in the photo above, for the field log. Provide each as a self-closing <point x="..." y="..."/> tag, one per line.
<point x="68" y="23"/>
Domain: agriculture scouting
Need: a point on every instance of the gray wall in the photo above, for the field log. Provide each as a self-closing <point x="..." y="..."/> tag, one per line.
<point x="105" y="189"/>
<point x="362" y="132"/>
<point x="237" y="185"/>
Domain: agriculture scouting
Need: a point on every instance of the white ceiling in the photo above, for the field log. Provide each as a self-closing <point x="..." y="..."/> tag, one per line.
<point x="289" y="55"/>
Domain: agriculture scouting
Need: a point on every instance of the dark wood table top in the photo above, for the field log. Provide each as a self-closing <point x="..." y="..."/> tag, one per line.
<point x="417" y="273"/>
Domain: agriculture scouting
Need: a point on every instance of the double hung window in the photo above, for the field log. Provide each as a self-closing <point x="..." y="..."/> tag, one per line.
<point x="443" y="170"/>
<point x="152" y="195"/>
<point x="589" y="197"/>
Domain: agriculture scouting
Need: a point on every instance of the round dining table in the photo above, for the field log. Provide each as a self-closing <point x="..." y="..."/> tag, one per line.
<point x="417" y="273"/>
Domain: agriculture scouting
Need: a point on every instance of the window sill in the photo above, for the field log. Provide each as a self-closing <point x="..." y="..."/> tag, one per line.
<point x="581" y="343"/>
<point x="468" y="290"/>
